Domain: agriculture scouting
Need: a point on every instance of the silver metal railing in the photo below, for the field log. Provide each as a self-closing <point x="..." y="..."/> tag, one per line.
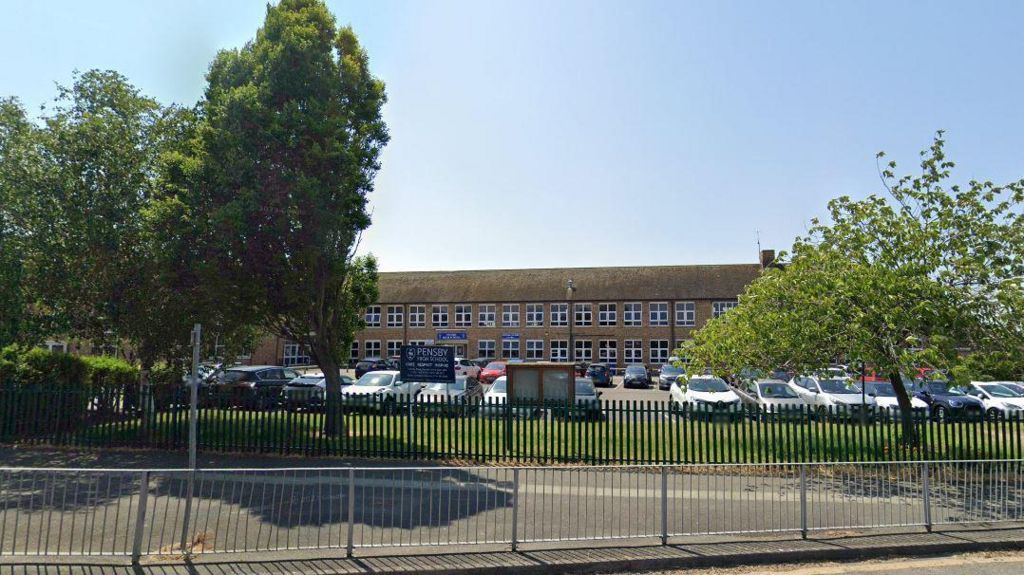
<point x="47" y="512"/>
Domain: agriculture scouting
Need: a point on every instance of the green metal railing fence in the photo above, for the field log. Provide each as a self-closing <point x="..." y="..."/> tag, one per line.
<point x="616" y="432"/>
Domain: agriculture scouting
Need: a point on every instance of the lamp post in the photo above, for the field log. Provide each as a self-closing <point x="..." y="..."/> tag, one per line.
<point x="570" y="291"/>
<point x="863" y="398"/>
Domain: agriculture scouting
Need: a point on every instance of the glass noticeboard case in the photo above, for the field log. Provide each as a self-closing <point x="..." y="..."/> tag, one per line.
<point x="541" y="382"/>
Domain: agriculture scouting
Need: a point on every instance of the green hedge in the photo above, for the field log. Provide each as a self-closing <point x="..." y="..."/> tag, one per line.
<point x="39" y="368"/>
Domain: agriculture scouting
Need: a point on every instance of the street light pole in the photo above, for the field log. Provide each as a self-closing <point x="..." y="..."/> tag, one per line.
<point x="570" y="291"/>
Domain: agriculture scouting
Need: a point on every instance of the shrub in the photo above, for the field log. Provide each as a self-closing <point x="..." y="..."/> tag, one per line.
<point x="34" y="367"/>
<point x="111" y="373"/>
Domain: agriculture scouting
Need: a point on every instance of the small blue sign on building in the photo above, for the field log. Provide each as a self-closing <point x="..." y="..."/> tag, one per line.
<point x="451" y="336"/>
<point x="514" y="335"/>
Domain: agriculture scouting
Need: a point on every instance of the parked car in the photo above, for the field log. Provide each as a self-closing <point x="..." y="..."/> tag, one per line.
<point x="457" y="398"/>
<point x="600" y="374"/>
<point x="495" y="399"/>
<point x="706" y="396"/>
<point x="947" y="403"/>
<point x="580" y="368"/>
<point x="380" y="389"/>
<point x="482" y="361"/>
<point x="667" y="375"/>
<point x="251" y="386"/>
<point x="467" y="368"/>
<point x="587" y="403"/>
<point x="493" y="371"/>
<point x="884" y="395"/>
<point x="368" y="364"/>
<point x="774" y="396"/>
<point x="839" y="396"/>
<point x="636" y="376"/>
<point x="308" y="391"/>
<point x="999" y="399"/>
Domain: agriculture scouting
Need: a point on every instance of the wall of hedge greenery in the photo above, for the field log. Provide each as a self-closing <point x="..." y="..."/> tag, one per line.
<point x="39" y="368"/>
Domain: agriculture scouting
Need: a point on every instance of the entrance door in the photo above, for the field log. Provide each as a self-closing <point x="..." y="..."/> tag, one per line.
<point x="460" y="350"/>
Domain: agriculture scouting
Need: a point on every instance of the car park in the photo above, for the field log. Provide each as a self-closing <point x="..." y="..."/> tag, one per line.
<point x="368" y="364"/>
<point x="493" y="371"/>
<point x="667" y="375"/>
<point x="839" y="396"/>
<point x="308" y="391"/>
<point x="636" y="376"/>
<point x="774" y="396"/>
<point x="466" y="368"/>
<point x="888" y="405"/>
<point x="251" y="386"/>
<point x="600" y="374"/>
<point x="380" y="389"/>
<point x="705" y="396"/>
<point x="947" y="403"/>
<point x="999" y="400"/>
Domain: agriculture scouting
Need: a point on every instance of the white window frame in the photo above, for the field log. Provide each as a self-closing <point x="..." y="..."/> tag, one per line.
<point x="534" y="315"/>
<point x="372" y="317"/>
<point x="584" y="350"/>
<point x="418" y="342"/>
<point x="608" y="353"/>
<point x="394" y="347"/>
<point x="294" y="354"/>
<point x="373" y="344"/>
<point x="487" y="316"/>
<point x="657" y="312"/>
<point x="463" y="315"/>
<point x="509" y="315"/>
<point x="510" y="349"/>
<point x="659" y="353"/>
<point x="607" y="314"/>
<point x="583" y="314"/>
<point x="633" y="314"/>
<point x="686" y="314"/>
<point x="396" y="316"/>
<point x="559" y="350"/>
<point x="492" y="352"/>
<point x="718" y="308"/>
<point x="417" y="316"/>
<point x="439" y="315"/>
<point x="559" y="315"/>
<point x="535" y="349"/>
<point x="632" y="351"/>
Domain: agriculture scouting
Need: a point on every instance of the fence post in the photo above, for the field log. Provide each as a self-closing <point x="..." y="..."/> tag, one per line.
<point x="803" y="501"/>
<point x="515" y="509"/>
<point x="140" y="517"/>
<point x="664" y="506"/>
<point x="187" y="518"/>
<point x="349" y="545"/>
<point x="927" y="497"/>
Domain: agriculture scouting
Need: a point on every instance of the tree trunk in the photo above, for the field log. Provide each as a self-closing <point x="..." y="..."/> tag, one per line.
<point x="909" y="435"/>
<point x="334" y="422"/>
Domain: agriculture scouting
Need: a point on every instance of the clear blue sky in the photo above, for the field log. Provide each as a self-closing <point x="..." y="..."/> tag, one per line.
<point x="529" y="134"/>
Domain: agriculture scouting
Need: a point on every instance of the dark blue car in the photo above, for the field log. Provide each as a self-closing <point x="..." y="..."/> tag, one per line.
<point x="947" y="403"/>
<point x="600" y="374"/>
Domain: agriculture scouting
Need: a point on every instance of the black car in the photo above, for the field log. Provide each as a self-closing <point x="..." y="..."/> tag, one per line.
<point x="600" y="374"/>
<point x="251" y="386"/>
<point x="636" y="376"/>
<point x="947" y="403"/>
<point x="668" y="374"/>
<point x="368" y="364"/>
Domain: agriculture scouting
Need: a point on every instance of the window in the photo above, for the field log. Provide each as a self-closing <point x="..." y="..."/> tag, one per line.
<point x="417" y="316"/>
<point x="631" y="313"/>
<point x="584" y="349"/>
<point x="718" y="308"/>
<point x="632" y="351"/>
<point x="534" y="316"/>
<point x="607" y="351"/>
<point x="419" y="342"/>
<point x="584" y="314"/>
<point x="463" y="315"/>
<point x="535" y="349"/>
<point x="510" y="348"/>
<point x="395" y="314"/>
<point x="510" y="315"/>
<point x="659" y="351"/>
<point x="659" y="313"/>
<point x="372" y="348"/>
<point x="559" y="350"/>
<point x="486" y="316"/>
<point x="353" y="352"/>
<point x="559" y="314"/>
<point x="686" y="314"/>
<point x="394" y="347"/>
<point x="373" y="316"/>
<point x="295" y="354"/>
<point x="485" y="348"/>
<point x="439" y="316"/>
<point x="61" y="347"/>
<point x="606" y="314"/>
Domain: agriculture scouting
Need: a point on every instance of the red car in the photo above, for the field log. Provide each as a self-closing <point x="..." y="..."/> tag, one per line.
<point x="493" y="371"/>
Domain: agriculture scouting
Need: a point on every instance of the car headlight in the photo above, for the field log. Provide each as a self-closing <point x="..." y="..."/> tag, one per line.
<point x="954" y="403"/>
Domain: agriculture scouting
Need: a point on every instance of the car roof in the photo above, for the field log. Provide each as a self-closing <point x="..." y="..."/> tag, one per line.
<point x="770" y="380"/>
<point x="371" y="358"/>
<point x="253" y="367"/>
<point x="384" y="371"/>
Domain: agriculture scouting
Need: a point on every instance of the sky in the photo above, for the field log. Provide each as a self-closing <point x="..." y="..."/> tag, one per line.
<point x="594" y="133"/>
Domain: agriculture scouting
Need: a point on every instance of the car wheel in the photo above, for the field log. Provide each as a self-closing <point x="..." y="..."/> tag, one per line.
<point x="822" y="411"/>
<point x="994" y="414"/>
<point x="940" y="415"/>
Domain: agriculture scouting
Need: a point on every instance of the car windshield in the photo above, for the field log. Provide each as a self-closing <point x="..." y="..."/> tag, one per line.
<point x="232" y="376"/>
<point x="881" y="389"/>
<point x="838" y="386"/>
<point x="495" y="365"/>
<point x="939" y="388"/>
<point x="671" y="370"/>
<point x="635" y="370"/>
<point x="708" y="384"/>
<point x="996" y="390"/>
<point x="584" y="388"/>
<point x="597" y="369"/>
<point x="1014" y="387"/>
<point x="776" y="390"/>
<point x="375" y="379"/>
<point x="459" y="385"/>
<point x="499" y="385"/>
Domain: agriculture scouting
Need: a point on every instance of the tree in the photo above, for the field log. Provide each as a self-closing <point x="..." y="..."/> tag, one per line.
<point x="915" y="276"/>
<point x="290" y="148"/>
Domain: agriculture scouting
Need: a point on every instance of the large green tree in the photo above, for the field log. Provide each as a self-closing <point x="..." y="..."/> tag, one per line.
<point x="290" y="147"/>
<point x="917" y="275"/>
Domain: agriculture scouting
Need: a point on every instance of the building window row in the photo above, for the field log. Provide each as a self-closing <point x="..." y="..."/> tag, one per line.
<point x="657" y="351"/>
<point x="583" y="316"/>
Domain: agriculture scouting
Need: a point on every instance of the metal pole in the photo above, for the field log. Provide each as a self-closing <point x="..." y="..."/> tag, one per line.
<point x="140" y="517"/>
<point x="863" y="399"/>
<point x="803" y="501"/>
<point x="927" y="497"/>
<point x="193" y="429"/>
<point x="664" y="506"/>
<point x="350" y="544"/>
<point x="515" y="509"/>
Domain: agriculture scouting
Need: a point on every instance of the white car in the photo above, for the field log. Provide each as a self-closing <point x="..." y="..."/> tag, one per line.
<point x="775" y="395"/>
<point x="886" y="403"/>
<point x="495" y="398"/>
<point x="466" y="368"/>
<point x="706" y="394"/>
<point x="999" y="400"/>
<point x="837" y="396"/>
<point x="380" y="386"/>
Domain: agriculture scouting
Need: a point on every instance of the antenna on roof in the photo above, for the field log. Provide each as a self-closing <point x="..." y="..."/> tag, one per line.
<point x="758" y="233"/>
